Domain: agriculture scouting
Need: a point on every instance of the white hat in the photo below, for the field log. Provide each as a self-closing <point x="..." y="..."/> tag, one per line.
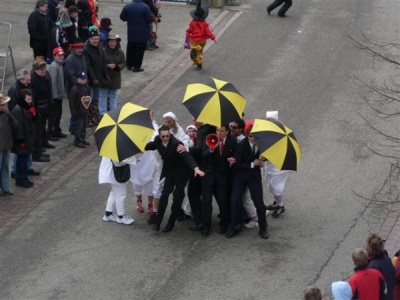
<point x="341" y="290"/>
<point x="273" y="114"/>
<point x="170" y="115"/>
<point x="191" y="126"/>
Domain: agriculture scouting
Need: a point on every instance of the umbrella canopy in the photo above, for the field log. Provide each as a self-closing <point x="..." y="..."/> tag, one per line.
<point x="124" y="132"/>
<point x="277" y="143"/>
<point x="214" y="102"/>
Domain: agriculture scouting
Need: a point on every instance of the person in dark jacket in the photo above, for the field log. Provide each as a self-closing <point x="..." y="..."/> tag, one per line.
<point x="39" y="30"/>
<point x="379" y="260"/>
<point x="8" y="125"/>
<point x="115" y="60"/>
<point x="139" y="17"/>
<point x="59" y="36"/>
<point x="79" y="102"/>
<point x="53" y="10"/>
<point x="97" y="73"/>
<point x="25" y="114"/>
<point x="282" y="11"/>
<point x="176" y="169"/>
<point x="72" y="31"/>
<point x="84" y="18"/>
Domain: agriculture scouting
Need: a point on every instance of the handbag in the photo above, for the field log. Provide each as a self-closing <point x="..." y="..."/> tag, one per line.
<point x="121" y="173"/>
<point x="186" y="45"/>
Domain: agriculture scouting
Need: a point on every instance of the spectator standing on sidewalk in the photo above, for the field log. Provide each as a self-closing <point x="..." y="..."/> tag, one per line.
<point x="139" y="17"/>
<point x="198" y="32"/>
<point x="39" y="30"/>
<point x="56" y="71"/>
<point x="115" y="61"/>
<point x="8" y="125"/>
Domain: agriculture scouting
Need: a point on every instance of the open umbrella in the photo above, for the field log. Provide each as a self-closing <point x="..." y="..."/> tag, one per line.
<point x="214" y="102"/>
<point x="124" y="132"/>
<point x="277" y="143"/>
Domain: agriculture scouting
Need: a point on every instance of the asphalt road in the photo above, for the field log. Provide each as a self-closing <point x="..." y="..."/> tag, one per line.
<point x="303" y="67"/>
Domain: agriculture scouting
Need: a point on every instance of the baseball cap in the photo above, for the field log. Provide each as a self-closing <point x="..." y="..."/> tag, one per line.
<point x="58" y="51"/>
<point x="81" y="75"/>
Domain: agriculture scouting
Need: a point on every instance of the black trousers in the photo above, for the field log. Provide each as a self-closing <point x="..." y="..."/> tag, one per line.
<point x="174" y="183"/>
<point x="135" y="54"/>
<point x="53" y="125"/>
<point x="40" y="136"/>
<point x="284" y="8"/>
<point x="194" y="195"/>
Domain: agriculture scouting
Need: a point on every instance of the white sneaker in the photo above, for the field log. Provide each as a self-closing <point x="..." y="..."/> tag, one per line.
<point x="266" y="213"/>
<point x="127" y="220"/>
<point x="110" y="218"/>
<point x="251" y="224"/>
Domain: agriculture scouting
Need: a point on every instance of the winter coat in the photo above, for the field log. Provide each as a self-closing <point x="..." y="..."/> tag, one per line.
<point x="26" y="127"/>
<point x="39" y="30"/>
<point x="42" y="92"/>
<point x="73" y="64"/>
<point x="104" y="33"/>
<point x="56" y="72"/>
<point x="8" y="125"/>
<point x="72" y="31"/>
<point x="139" y="18"/>
<point x="14" y="93"/>
<point x="52" y="12"/>
<point x="75" y="100"/>
<point x="367" y="284"/>
<point x="153" y="8"/>
<point x="385" y="266"/>
<point x="199" y="31"/>
<point x="96" y="65"/>
<point x="84" y="18"/>
<point x="114" y="56"/>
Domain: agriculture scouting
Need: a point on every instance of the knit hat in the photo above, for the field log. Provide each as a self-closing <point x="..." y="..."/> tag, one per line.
<point x="63" y="19"/>
<point x="341" y="290"/>
<point x="190" y="126"/>
<point x="200" y="13"/>
<point x="40" y="3"/>
<point x="105" y="23"/>
<point x="170" y="115"/>
<point x="272" y="114"/>
<point x="38" y="64"/>
<point x="93" y="31"/>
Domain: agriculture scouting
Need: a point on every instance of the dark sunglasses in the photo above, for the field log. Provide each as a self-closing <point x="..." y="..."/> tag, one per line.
<point x="164" y="136"/>
<point x="234" y="127"/>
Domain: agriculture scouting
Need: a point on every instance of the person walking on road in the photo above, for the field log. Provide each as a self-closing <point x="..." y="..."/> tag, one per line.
<point x="198" y="32"/>
<point x="282" y="11"/>
<point x="139" y="17"/>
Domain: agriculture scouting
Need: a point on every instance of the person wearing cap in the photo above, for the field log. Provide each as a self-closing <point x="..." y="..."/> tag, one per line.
<point x="282" y="11"/>
<point x="139" y="17"/>
<point x="56" y="72"/>
<point x="115" y="60"/>
<point x="79" y="102"/>
<point x="97" y="75"/>
<point x="341" y="290"/>
<point x="8" y="125"/>
<point x="26" y="115"/>
<point x="72" y="31"/>
<point x="198" y="32"/>
<point x="276" y="180"/>
<point x="191" y="131"/>
<point x="43" y="98"/>
<point x="39" y="27"/>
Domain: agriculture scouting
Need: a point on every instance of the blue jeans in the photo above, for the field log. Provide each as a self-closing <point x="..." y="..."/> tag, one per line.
<point x="28" y="163"/>
<point x="80" y="129"/>
<point x="104" y="95"/>
<point x="4" y="170"/>
<point x="22" y="170"/>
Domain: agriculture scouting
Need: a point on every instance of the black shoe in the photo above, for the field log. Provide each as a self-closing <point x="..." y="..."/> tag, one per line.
<point x="268" y="11"/>
<point x="59" y="135"/>
<point x="136" y="70"/>
<point x="264" y="234"/>
<point x="41" y="159"/>
<point x="282" y="16"/>
<point x="181" y="216"/>
<point x="85" y="143"/>
<point x="48" y="145"/>
<point x="196" y="228"/>
<point x="187" y="217"/>
<point x="26" y="185"/>
<point x="205" y="233"/>
<point x="13" y="175"/>
<point x="273" y="206"/>
<point x="79" y="144"/>
<point x="45" y="155"/>
<point x="193" y="53"/>
<point x="280" y="210"/>
<point x="33" y="172"/>
<point x="222" y="230"/>
<point x="156" y="227"/>
<point x="8" y="193"/>
<point x="167" y="228"/>
<point x="152" y="219"/>
<point x="199" y="67"/>
<point x="52" y="138"/>
<point x="232" y="232"/>
<point x="129" y="68"/>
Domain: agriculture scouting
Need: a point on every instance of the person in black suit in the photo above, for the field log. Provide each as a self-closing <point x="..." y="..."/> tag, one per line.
<point x="176" y="169"/>
<point x="247" y="173"/>
<point x="282" y="11"/>
<point x="215" y="183"/>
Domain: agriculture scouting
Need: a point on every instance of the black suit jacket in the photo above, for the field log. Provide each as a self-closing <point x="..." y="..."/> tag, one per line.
<point x="181" y="164"/>
<point x="214" y="161"/>
<point x="244" y="157"/>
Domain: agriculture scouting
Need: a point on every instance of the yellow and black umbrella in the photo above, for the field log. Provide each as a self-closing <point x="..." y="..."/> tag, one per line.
<point x="277" y="143"/>
<point x="214" y="102"/>
<point x="124" y="132"/>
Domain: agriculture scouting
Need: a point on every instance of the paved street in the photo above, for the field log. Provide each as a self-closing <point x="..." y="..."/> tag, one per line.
<point x="54" y="244"/>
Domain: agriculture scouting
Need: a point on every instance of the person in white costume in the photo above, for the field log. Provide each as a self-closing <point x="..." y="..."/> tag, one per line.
<point x="276" y="180"/>
<point x="117" y="196"/>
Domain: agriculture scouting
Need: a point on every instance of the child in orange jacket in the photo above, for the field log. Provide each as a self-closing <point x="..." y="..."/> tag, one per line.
<point x="198" y="32"/>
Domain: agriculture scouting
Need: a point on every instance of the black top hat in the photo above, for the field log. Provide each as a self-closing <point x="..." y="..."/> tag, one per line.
<point x="200" y="13"/>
